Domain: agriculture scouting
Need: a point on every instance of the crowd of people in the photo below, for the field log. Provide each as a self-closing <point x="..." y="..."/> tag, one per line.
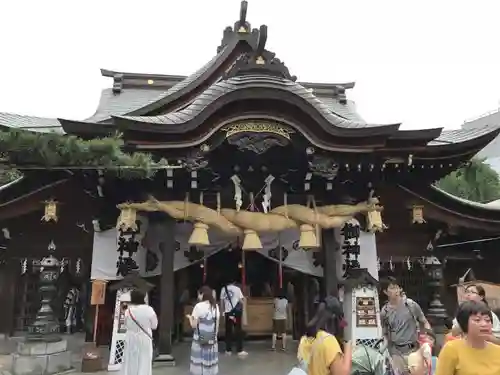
<point x="471" y="347"/>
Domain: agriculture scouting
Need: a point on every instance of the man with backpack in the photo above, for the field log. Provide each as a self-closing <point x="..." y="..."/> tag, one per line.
<point x="232" y="307"/>
<point x="401" y="318"/>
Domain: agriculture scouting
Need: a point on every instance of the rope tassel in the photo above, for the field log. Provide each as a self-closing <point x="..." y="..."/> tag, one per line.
<point x="200" y="231"/>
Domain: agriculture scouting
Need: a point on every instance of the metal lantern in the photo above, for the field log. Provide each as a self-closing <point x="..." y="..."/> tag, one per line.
<point x="50" y="213"/>
<point x="418" y="215"/>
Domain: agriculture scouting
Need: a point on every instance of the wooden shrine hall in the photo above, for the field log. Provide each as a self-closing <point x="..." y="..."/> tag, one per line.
<point x="253" y="170"/>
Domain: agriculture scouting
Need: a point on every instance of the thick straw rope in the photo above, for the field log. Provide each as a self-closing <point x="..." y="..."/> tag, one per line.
<point x="280" y="218"/>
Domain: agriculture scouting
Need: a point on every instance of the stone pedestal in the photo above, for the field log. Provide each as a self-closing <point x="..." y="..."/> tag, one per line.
<point x="41" y="358"/>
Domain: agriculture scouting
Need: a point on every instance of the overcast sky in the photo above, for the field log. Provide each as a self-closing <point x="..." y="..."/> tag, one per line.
<point x="430" y="64"/>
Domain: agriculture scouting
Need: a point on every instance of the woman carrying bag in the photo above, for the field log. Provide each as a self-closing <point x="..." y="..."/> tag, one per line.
<point x="140" y="321"/>
<point x="205" y="323"/>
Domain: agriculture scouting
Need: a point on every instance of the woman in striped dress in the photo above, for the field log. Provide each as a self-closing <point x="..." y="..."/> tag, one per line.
<point x="205" y="323"/>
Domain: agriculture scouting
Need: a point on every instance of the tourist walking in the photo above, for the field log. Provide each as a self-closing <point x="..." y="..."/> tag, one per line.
<point x="205" y="323"/>
<point x="401" y="319"/>
<point x="232" y="306"/>
<point x="478" y="294"/>
<point x="319" y="351"/>
<point x="473" y="353"/>
<point x="279" y="320"/>
<point x="140" y="321"/>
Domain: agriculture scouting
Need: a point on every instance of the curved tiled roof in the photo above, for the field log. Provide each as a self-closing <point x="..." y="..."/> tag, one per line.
<point x="449" y="202"/>
<point x="448" y="137"/>
<point x="30" y="123"/>
<point x="233" y="84"/>
<point x="125" y="101"/>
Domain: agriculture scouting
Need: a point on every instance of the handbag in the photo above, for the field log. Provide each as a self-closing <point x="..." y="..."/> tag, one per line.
<point x="207" y="338"/>
<point x="236" y="311"/>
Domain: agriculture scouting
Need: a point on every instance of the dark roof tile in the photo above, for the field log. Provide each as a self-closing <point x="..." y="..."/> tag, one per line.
<point x="30" y="123"/>
<point x="241" y="82"/>
<point x="460" y="135"/>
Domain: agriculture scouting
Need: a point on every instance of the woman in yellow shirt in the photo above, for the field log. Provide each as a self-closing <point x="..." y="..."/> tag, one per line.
<point x="319" y="350"/>
<point x="472" y="354"/>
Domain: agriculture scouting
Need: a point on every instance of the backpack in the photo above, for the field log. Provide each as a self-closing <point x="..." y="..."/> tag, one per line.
<point x="207" y="337"/>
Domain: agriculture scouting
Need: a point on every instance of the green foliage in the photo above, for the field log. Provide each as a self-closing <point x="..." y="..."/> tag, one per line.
<point x="8" y="175"/>
<point x="476" y="181"/>
<point x="21" y="149"/>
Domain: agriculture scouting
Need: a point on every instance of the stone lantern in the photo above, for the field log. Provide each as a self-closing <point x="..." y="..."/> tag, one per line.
<point x="436" y="313"/>
<point x="43" y="352"/>
<point x="46" y="326"/>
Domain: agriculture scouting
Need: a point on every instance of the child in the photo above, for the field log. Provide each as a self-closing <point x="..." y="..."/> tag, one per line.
<point x="279" y="319"/>
<point x="421" y="361"/>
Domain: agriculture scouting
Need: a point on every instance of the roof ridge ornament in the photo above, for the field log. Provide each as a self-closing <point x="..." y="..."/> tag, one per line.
<point x="117" y="83"/>
<point x="339" y="94"/>
<point x="260" y="61"/>
<point x="242" y="26"/>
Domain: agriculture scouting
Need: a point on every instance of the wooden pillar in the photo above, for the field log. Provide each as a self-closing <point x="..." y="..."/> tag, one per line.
<point x="7" y="297"/>
<point x="330" y="278"/>
<point x="167" y="302"/>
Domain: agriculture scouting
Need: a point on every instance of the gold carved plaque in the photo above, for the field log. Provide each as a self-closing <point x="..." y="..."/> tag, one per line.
<point x="258" y="127"/>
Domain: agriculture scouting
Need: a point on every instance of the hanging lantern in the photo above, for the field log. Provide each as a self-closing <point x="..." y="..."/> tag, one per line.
<point x="200" y="231"/>
<point x="308" y="238"/>
<point x="418" y="215"/>
<point x="127" y="219"/>
<point x="375" y="223"/>
<point x="251" y="240"/>
<point x="50" y="213"/>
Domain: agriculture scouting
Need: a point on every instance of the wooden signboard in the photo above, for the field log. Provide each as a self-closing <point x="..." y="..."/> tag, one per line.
<point x="366" y="313"/>
<point x="98" y="296"/>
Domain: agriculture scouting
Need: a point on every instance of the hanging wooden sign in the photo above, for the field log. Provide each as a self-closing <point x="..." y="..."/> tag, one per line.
<point x="366" y="315"/>
<point x="98" y="296"/>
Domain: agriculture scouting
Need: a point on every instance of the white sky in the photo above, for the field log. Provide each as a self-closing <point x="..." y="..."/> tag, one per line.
<point x="425" y="63"/>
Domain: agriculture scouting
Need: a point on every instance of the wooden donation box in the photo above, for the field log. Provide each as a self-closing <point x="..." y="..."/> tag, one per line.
<point x="361" y="308"/>
<point x="259" y="317"/>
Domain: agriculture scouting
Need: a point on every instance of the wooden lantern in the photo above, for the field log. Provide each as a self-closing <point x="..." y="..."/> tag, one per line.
<point x="418" y="215"/>
<point x="50" y="213"/>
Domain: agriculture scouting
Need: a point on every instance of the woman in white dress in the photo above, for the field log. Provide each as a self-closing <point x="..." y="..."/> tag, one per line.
<point x="140" y="321"/>
<point x="205" y="323"/>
